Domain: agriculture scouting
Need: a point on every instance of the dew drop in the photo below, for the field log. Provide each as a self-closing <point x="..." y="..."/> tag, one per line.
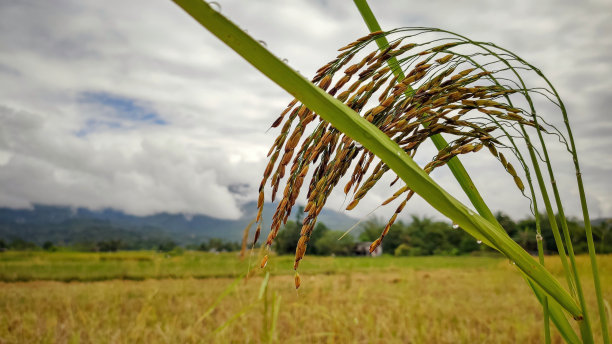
<point x="539" y="237"/>
<point x="215" y="6"/>
<point x="471" y="213"/>
<point x="455" y="225"/>
<point x="263" y="43"/>
<point x="285" y="61"/>
<point x="479" y="242"/>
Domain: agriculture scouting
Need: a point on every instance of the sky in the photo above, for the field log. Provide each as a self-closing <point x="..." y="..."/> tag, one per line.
<point x="132" y="105"/>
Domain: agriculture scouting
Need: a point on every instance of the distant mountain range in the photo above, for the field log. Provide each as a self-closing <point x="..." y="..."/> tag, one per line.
<point x="69" y="226"/>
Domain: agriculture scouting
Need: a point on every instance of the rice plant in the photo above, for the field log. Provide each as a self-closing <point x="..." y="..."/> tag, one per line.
<point x="367" y="112"/>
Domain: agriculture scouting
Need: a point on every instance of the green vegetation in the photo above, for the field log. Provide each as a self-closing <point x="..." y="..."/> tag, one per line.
<point x="419" y="236"/>
<point x="140" y="265"/>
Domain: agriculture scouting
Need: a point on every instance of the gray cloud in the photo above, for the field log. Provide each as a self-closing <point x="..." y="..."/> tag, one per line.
<point x="207" y="150"/>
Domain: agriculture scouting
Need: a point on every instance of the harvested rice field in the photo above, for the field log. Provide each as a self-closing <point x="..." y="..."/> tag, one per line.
<point x="341" y="300"/>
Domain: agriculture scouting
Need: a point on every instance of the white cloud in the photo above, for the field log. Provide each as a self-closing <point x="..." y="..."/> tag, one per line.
<point x="217" y="108"/>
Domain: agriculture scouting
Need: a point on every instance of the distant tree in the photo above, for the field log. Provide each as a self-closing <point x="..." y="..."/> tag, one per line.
<point x="424" y="236"/>
<point x="577" y="233"/>
<point x="218" y="245"/>
<point x="575" y="228"/>
<point x="468" y="244"/>
<point x="407" y="250"/>
<point x="319" y="231"/>
<point x="231" y="246"/>
<point x="287" y="238"/>
<point x="507" y="223"/>
<point x="372" y="229"/>
<point x="527" y="239"/>
<point x="109" y="245"/>
<point x="48" y="246"/>
<point x="19" y="244"/>
<point x="215" y="244"/>
<point x="603" y="234"/>
<point x="299" y="215"/>
<point x="166" y="246"/>
<point x="3" y="245"/>
<point x="329" y="244"/>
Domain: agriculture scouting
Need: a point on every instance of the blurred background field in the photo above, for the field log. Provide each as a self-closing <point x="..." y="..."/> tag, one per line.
<point x="139" y="265"/>
<point x="196" y="297"/>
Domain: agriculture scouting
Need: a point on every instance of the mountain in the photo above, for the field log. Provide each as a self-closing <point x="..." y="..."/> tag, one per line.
<point x="70" y="226"/>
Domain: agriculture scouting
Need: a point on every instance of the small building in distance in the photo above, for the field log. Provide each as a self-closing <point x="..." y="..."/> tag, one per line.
<point x="363" y="249"/>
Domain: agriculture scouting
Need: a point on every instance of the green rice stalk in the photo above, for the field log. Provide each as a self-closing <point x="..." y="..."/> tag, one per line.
<point x="585" y="213"/>
<point x="584" y="323"/>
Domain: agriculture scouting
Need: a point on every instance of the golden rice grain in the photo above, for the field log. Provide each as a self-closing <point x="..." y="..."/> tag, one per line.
<point x="298" y="281"/>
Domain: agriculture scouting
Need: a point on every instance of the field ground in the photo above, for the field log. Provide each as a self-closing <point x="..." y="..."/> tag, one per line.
<point x="146" y="297"/>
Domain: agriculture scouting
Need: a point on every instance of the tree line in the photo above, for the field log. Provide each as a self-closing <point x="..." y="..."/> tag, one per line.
<point x="420" y="236"/>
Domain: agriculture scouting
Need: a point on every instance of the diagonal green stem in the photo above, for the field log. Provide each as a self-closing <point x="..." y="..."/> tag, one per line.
<point x="364" y="132"/>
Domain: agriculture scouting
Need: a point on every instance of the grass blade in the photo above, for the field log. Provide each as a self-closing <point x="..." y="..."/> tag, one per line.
<point x="264" y="286"/>
<point x="229" y="289"/>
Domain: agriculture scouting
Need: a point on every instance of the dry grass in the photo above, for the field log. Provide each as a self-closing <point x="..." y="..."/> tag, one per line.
<point x="433" y="305"/>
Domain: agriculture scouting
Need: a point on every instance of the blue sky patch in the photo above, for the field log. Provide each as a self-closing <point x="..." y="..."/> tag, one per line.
<point x="116" y="112"/>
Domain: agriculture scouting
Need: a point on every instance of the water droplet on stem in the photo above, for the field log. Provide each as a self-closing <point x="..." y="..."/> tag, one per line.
<point x="215" y="6"/>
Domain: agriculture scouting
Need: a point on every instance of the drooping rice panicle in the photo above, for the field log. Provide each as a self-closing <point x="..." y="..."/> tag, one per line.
<point x="443" y="92"/>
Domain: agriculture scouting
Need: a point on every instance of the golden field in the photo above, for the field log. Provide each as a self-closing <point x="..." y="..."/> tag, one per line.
<point x="341" y="300"/>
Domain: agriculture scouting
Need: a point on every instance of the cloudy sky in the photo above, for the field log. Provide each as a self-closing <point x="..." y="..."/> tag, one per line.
<point x="132" y="105"/>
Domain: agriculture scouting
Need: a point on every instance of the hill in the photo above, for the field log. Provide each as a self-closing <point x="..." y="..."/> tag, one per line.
<point x="70" y="226"/>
